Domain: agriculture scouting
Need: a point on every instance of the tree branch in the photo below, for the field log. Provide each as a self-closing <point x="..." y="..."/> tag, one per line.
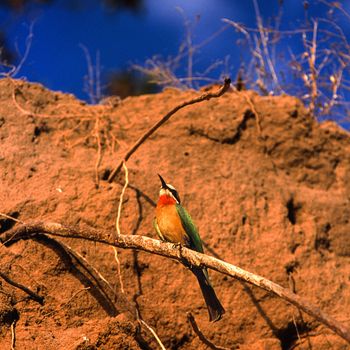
<point x="182" y="254"/>
<point x="146" y="135"/>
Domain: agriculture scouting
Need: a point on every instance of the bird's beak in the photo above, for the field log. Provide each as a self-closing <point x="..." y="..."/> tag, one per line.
<point x="163" y="182"/>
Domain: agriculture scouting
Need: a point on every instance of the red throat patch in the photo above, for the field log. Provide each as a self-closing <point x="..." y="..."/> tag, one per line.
<point x="166" y="200"/>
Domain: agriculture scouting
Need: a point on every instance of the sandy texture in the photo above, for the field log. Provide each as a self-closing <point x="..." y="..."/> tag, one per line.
<point x="273" y="201"/>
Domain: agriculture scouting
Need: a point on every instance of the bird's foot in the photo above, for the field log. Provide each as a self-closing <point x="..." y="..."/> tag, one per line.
<point x="177" y="245"/>
<point x="184" y="261"/>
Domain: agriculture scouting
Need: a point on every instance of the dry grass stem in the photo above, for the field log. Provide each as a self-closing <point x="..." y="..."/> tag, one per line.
<point x="119" y="270"/>
<point x="143" y="323"/>
<point x="11" y="218"/>
<point x="13" y="335"/>
<point x="121" y="198"/>
<point x="253" y="109"/>
<point x="99" y="150"/>
<point x="264" y="40"/>
<point x="117" y="224"/>
<point x="313" y="71"/>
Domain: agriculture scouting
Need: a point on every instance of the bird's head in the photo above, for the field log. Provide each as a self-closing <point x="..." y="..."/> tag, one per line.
<point x="168" y="193"/>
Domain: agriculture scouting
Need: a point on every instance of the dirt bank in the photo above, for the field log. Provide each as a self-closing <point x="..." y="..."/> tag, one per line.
<point x="269" y="194"/>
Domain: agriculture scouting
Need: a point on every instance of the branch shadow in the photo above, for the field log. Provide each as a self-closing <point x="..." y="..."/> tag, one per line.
<point x="251" y="295"/>
<point x="79" y="271"/>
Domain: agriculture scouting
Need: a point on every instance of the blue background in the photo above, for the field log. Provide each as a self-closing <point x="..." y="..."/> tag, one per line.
<point x="124" y="37"/>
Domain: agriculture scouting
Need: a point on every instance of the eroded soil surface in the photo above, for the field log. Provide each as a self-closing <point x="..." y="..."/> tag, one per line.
<point x="269" y="194"/>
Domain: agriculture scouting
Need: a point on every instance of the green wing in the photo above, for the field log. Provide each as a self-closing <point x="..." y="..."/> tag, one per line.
<point x="190" y="228"/>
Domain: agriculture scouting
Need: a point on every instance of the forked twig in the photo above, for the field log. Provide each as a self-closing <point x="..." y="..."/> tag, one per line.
<point x="159" y="123"/>
<point x="201" y="336"/>
<point x="32" y="230"/>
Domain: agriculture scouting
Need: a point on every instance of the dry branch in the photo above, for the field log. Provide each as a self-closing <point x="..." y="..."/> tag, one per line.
<point x="146" y="135"/>
<point x="182" y="254"/>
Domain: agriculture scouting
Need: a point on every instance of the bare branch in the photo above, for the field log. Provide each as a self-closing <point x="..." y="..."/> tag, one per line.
<point x="146" y="135"/>
<point x="182" y="254"/>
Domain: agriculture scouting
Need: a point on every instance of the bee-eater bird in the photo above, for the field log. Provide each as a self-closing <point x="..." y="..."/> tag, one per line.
<point x="173" y="224"/>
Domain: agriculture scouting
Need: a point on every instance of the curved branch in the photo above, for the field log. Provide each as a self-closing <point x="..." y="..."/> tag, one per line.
<point x="159" y="123"/>
<point x="182" y="254"/>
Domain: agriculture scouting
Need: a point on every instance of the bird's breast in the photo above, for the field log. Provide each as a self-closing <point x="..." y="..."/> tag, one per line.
<point x="170" y="225"/>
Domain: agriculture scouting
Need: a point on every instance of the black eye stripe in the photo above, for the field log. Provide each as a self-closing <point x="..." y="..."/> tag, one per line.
<point x="175" y="194"/>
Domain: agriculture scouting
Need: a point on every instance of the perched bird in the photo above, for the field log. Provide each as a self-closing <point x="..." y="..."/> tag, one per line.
<point x="173" y="224"/>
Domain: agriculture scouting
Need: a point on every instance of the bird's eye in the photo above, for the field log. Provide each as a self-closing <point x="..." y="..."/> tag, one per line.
<point x="176" y="195"/>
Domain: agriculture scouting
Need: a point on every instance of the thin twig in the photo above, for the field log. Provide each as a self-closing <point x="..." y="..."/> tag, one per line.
<point x="143" y="323"/>
<point x="292" y="287"/>
<point x="22" y="110"/>
<point x="201" y="336"/>
<point x="204" y="97"/>
<point x="193" y="258"/>
<point x="313" y="72"/>
<point x="13" y="335"/>
<point x="90" y="79"/>
<point x="264" y="38"/>
<point x="32" y="294"/>
<point x="119" y="270"/>
<point x="11" y="218"/>
<point x="117" y="224"/>
<point x="253" y="109"/>
<point x="148" y="327"/>
<point x="26" y="51"/>
<point x="99" y="150"/>
<point x="121" y="198"/>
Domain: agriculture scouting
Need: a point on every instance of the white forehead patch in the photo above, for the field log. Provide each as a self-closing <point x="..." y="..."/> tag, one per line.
<point x="171" y="187"/>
